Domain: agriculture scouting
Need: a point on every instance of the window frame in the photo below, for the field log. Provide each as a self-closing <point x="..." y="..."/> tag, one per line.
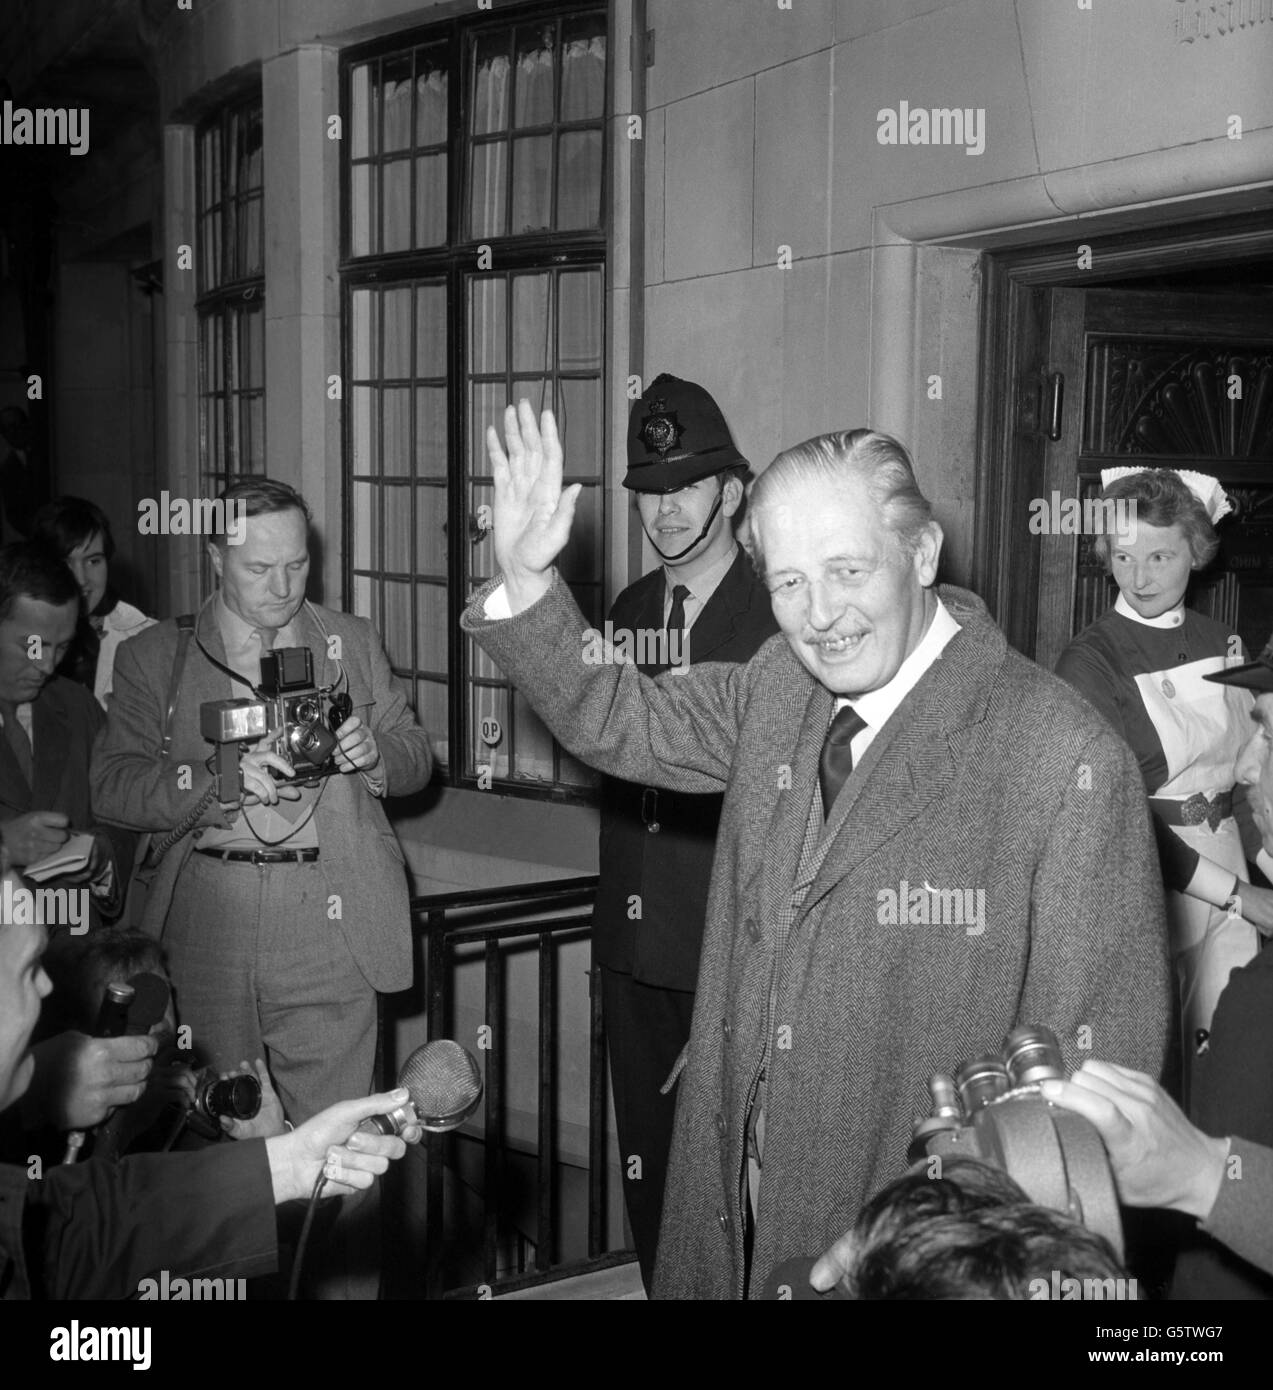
<point x="452" y="263"/>
<point x="227" y="299"/>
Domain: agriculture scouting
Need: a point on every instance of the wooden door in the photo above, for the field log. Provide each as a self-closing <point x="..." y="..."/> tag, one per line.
<point x="1150" y="378"/>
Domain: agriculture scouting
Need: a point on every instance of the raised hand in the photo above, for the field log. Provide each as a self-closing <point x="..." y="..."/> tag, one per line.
<point x="532" y="514"/>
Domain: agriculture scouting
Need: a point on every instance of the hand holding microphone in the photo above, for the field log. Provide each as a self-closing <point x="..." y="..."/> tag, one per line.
<point x="349" y="1144"/>
<point x="332" y="1146"/>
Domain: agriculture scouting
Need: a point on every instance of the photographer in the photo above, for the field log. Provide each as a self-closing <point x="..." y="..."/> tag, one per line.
<point x="969" y="1233"/>
<point x="283" y="915"/>
<point x="168" y="1106"/>
<point x="1161" y="1160"/>
<point x="96" y="1230"/>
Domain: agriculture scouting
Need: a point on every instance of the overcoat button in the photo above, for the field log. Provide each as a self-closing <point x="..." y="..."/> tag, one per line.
<point x="726" y="1028"/>
<point x="723" y="1219"/>
<point x="721" y="1126"/>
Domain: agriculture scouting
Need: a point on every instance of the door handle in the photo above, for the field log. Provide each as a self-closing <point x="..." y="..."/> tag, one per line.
<point x="1055" y="404"/>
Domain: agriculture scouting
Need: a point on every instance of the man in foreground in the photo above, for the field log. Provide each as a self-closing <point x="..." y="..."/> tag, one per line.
<point x="703" y="603"/>
<point x="926" y="839"/>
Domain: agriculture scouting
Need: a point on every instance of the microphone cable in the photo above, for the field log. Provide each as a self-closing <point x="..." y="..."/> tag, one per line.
<point x="298" y="1261"/>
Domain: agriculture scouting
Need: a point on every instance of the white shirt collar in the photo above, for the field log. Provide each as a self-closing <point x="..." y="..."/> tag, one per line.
<point x="876" y="707"/>
<point x="706" y="584"/>
<point x="1174" y="617"/>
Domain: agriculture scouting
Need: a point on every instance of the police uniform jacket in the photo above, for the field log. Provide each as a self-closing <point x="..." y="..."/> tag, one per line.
<point x="668" y="871"/>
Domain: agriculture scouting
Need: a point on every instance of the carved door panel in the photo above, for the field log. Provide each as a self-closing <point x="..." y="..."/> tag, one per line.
<point x="1157" y="379"/>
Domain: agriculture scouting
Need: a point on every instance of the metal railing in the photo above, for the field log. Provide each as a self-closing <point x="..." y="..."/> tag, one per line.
<point x="544" y="917"/>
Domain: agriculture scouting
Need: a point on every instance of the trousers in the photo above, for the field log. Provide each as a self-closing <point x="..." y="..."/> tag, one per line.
<point x="646" y="1030"/>
<point x="260" y="970"/>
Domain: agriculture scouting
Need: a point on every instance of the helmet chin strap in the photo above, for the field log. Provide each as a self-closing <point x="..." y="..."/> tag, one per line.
<point x="711" y="516"/>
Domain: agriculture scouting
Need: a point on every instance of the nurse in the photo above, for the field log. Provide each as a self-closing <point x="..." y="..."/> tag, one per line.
<point x="1143" y="664"/>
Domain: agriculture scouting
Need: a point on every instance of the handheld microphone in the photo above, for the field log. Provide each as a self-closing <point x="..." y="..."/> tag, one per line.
<point x="445" y="1087"/>
<point x="147" y="1007"/>
<point x="112" y="1016"/>
<point x="112" y="1020"/>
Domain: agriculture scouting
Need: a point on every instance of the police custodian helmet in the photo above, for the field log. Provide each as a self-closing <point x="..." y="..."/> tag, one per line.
<point x="677" y="435"/>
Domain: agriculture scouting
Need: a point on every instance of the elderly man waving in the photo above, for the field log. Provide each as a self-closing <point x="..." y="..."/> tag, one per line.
<point x="925" y="840"/>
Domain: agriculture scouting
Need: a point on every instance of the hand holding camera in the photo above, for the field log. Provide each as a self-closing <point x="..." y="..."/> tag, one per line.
<point x="296" y="731"/>
<point x="259" y="772"/>
<point x="1159" y="1158"/>
<point x="268" y="1118"/>
<point x="356" y="750"/>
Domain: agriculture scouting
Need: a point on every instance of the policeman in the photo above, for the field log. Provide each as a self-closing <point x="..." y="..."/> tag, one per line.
<point x="703" y="603"/>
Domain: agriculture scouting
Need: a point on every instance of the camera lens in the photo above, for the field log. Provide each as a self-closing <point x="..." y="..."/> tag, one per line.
<point x="306" y="712"/>
<point x="1033" y="1055"/>
<point x="238" y="1097"/>
<point x="980" y="1081"/>
<point x="311" y="742"/>
<point x="945" y="1098"/>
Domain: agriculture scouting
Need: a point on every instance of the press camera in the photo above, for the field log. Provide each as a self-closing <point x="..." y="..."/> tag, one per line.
<point x="992" y="1109"/>
<point x="291" y="717"/>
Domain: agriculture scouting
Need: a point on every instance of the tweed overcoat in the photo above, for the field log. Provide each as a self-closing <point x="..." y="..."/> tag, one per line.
<point x="991" y="776"/>
<point x="361" y="859"/>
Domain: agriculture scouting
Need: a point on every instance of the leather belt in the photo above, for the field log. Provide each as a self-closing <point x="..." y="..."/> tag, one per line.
<point x="261" y="856"/>
<point x="1195" y="809"/>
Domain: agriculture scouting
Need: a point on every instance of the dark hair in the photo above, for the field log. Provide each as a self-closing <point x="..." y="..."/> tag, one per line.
<point x="67" y="522"/>
<point x="1162" y="499"/>
<point x="31" y="570"/>
<point x="970" y="1234"/>
<point x="253" y="496"/>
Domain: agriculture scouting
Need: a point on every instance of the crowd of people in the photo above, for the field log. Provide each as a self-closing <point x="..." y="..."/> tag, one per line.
<point x="845" y="727"/>
<point x="267" y="908"/>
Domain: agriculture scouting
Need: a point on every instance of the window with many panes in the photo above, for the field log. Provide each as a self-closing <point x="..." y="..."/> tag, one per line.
<point x="230" y="268"/>
<point x="474" y="274"/>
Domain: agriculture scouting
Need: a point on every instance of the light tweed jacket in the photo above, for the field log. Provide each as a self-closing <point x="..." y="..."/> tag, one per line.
<point x="991" y="775"/>
<point x="360" y="859"/>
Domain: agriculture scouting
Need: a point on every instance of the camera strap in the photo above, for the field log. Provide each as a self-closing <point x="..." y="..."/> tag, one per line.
<point x="185" y="631"/>
<point x="229" y="671"/>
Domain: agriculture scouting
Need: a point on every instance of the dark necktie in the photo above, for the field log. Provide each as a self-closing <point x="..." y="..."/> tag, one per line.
<point x="837" y="756"/>
<point x="267" y="636"/>
<point x="17" y="737"/>
<point x="676" y="615"/>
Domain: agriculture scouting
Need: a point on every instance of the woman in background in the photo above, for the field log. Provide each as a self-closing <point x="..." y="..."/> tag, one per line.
<point x="80" y="534"/>
<point x="1142" y="665"/>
